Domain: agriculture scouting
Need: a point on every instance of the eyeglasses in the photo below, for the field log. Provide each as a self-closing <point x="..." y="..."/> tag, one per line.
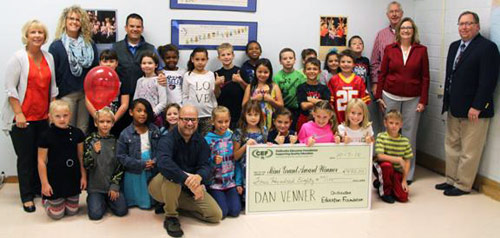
<point x="73" y="19"/>
<point x="188" y="119"/>
<point x="461" y="24"/>
<point x="406" y="28"/>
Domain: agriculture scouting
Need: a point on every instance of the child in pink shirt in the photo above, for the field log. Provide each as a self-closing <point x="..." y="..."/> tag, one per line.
<point x="323" y="128"/>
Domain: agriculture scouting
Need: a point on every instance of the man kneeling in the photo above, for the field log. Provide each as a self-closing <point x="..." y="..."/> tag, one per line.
<point x="184" y="169"/>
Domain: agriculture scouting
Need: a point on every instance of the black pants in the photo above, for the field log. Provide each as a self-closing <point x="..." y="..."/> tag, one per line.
<point x="25" y="141"/>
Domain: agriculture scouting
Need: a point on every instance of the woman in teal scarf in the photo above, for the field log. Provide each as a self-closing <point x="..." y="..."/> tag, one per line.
<point x="74" y="55"/>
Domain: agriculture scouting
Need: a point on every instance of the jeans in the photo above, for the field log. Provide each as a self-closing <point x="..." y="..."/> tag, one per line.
<point x="98" y="202"/>
<point x="228" y="200"/>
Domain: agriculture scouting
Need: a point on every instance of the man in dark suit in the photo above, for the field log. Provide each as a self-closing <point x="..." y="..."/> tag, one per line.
<point x="471" y="76"/>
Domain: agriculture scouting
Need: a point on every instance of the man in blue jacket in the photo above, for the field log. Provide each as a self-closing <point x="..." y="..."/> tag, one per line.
<point x="184" y="171"/>
<point x="471" y="77"/>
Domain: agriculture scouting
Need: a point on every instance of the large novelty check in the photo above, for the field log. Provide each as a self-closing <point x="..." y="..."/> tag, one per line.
<point x="296" y="177"/>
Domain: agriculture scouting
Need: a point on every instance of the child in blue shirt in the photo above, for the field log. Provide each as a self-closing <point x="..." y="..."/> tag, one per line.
<point x="136" y="152"/>
<point x="223" y="186"/>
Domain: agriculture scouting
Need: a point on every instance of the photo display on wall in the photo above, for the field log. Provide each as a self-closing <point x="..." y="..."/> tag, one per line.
<point x="104" y="28"/>
<point x="332" y="34"/>
<point x="189" y="34"/>
<point x="103" y="23"/>
<point x="225" y="5"/>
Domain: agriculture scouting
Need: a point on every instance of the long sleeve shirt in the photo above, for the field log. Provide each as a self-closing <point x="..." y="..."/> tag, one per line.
<point x="176" y="157"/>
<point x="384" y="38"/>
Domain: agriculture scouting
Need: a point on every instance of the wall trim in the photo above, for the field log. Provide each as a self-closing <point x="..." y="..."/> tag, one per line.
<point x="11" y="179"/>
<point x="488" y="187"/>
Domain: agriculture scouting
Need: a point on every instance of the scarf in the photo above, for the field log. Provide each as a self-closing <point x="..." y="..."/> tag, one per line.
<point x="80" y="54"/>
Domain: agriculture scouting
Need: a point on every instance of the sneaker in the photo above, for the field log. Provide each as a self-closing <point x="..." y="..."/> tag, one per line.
<point x="444" y="186"/>
<point x="173" y="226"/>
<point x="409" y="182"/>
<point x="388" y="198"/>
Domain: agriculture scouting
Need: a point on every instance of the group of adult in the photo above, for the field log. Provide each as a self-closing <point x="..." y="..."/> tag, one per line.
<point x="400" y="79"/>
<point x="35" y="77"/>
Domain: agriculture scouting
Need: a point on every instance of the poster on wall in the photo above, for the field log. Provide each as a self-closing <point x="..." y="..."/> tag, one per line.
<point x="189" y="34"/>
<point x="332" y="34"/>
<point x="225" y="5"/>
<point x="103" y="25"/>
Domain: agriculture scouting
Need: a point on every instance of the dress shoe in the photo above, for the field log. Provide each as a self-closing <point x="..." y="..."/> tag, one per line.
<point x="455" y="192"/>
<point x="29" y="209"/>
<point x="173" y="227"/>
<point x="388" y="198"/>
<point x="444" y="186"/>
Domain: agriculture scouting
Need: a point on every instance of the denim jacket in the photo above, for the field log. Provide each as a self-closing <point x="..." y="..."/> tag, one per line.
<point x="128" y="149"/>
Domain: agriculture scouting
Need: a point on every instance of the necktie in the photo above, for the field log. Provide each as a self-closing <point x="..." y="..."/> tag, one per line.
<point x="462" y="49"/>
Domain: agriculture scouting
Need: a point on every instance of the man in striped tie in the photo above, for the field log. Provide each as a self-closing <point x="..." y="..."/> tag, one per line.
<point x="471" y="76"/>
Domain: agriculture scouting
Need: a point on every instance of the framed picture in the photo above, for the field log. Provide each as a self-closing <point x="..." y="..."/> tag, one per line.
<point x="189" y="34"/>
<point x="104" y="28"/>
<point x="332" y="34"/>
<point x="103" y="23"/>
<point x="226" y="5"/>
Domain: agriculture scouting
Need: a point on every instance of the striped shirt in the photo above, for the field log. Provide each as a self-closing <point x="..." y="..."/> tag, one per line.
<point x="399" y="147"/>
<point x="384" y="38"/>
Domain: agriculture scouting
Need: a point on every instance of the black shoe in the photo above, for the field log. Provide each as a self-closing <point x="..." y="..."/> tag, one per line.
<point x="173" y="226"/>
<point x="376" y="183"/>
<point x="444" y="186"/>
<point x="455" y="192"/>
<point x="159" y="208"/>
<point x="29" y="209"/>
<point x="409" y="182"/>
<point x="388" y="199"/>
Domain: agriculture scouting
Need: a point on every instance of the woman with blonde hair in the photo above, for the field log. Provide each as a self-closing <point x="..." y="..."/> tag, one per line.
<point x="403" y="82"/>
<point x="29" y="85"/>
<point x="74" y="55"/>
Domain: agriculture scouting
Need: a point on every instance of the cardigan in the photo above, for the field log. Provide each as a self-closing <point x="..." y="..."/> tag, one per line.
<point x="16" y="81"/>
<point x="66" y="81"/>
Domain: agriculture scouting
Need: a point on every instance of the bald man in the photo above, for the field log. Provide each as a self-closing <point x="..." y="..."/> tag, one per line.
<point x="184" y="171"/>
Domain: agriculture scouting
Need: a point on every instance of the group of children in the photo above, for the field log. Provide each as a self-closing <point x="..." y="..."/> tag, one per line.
<point x="237" y="107"/>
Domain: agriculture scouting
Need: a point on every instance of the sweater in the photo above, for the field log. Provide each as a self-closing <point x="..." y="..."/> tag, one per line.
<point x="66" y="81"/>
<point x="176" y="157"/>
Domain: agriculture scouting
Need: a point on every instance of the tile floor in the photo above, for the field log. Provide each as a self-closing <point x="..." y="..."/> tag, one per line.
<point x="428" y="214"/>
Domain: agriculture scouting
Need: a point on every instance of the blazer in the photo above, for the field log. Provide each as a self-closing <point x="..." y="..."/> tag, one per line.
<point x="474" y="79"/>
<point x="406" y="80"/>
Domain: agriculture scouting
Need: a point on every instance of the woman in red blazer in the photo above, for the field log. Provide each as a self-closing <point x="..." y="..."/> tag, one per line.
<point x="403" y="82"/>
